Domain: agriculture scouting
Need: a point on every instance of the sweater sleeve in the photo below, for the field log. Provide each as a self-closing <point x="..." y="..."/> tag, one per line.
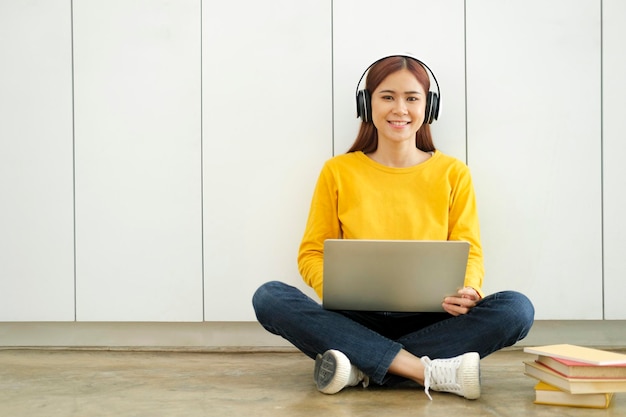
<point x="322" y="224"/>
<point x="464" y="225"/>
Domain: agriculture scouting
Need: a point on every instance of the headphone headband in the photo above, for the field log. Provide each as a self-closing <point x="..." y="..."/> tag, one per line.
<point x="363" y="97"/>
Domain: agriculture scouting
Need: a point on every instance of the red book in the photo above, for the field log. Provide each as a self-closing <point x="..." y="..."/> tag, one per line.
<point x="574" y="385"/>
<point x="576" y="369"/>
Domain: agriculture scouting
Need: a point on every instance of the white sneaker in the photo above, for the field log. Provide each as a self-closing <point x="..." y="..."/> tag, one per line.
<point x="333" y="372"/>
<point x="459" y="375"/>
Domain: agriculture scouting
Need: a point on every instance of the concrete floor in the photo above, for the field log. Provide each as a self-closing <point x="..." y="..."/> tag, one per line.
<point x="92" y="383"/>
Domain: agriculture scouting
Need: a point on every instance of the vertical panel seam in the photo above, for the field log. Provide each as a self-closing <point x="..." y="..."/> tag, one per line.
<point x="602" y="235"/>
<point x="465" y="75"/>
<point x="202" y="170"/>
<point x="73" y="153"/>
<point x="332" y="76"/>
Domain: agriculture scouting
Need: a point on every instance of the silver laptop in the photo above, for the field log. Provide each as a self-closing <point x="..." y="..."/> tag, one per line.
<point x="392" y="275"/>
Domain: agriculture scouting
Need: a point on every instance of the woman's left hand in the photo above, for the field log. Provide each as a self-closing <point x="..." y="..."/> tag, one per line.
<point x="462" y="302"/>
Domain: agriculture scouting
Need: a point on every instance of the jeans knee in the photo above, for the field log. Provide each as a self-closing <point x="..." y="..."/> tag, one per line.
<point x="523" y="310"/>
<point x="264" y="298"/>
<point x="527" y="310"/>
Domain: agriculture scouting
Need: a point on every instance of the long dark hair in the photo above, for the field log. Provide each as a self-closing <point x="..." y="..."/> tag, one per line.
<point x="367" y="138"/>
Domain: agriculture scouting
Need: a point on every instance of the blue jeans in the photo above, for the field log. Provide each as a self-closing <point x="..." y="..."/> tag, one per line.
<point x="371" y="340"/>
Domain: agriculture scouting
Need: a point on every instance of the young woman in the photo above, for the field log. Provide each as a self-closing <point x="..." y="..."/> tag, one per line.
<point x="394" y="184"/>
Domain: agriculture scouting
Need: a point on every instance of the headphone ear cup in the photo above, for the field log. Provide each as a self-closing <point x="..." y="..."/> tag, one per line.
<point x="435" y="106"/>
<point x="359" y="104"/>
<point x="364" y="105"/>
<point x="432" y="108"/>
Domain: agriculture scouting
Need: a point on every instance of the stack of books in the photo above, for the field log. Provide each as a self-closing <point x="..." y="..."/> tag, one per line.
<point x="576" y="376"/>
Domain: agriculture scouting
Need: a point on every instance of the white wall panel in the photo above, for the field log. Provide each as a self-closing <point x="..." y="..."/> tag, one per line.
<point x="546" y="162"/>
<point x="614" y="169"/>
<point x="267" y="131"/>
<point x="534" y="140"/>
<point x="138" y="160"/>
<point x="36" y="221"/>
<point x="432" y="31"/>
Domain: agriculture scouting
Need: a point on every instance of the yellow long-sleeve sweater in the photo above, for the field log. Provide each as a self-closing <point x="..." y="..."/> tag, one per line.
<point x="358" y="198"/>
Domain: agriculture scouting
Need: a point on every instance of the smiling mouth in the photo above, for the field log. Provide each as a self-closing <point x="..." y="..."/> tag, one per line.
<point x="398" y="123"/>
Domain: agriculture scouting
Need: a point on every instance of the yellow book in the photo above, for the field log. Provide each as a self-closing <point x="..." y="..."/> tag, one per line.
<point x="549" y="395"/>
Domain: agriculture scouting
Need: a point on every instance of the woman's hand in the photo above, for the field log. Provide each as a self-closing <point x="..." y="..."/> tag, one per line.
<point x="462" y="302"/>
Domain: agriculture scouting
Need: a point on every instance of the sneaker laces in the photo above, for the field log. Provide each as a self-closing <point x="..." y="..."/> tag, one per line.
<point x="445" y="371"/>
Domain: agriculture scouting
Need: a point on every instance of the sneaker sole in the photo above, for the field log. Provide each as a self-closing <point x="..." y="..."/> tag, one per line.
<point x="332" y="371"/>
<point x="469" y="375"/>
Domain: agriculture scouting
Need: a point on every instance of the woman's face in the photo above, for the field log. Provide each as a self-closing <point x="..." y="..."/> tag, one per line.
<point x="398" y="106"/>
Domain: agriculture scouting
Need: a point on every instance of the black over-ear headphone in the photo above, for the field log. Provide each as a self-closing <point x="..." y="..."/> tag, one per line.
<point x="364" y="98"/>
